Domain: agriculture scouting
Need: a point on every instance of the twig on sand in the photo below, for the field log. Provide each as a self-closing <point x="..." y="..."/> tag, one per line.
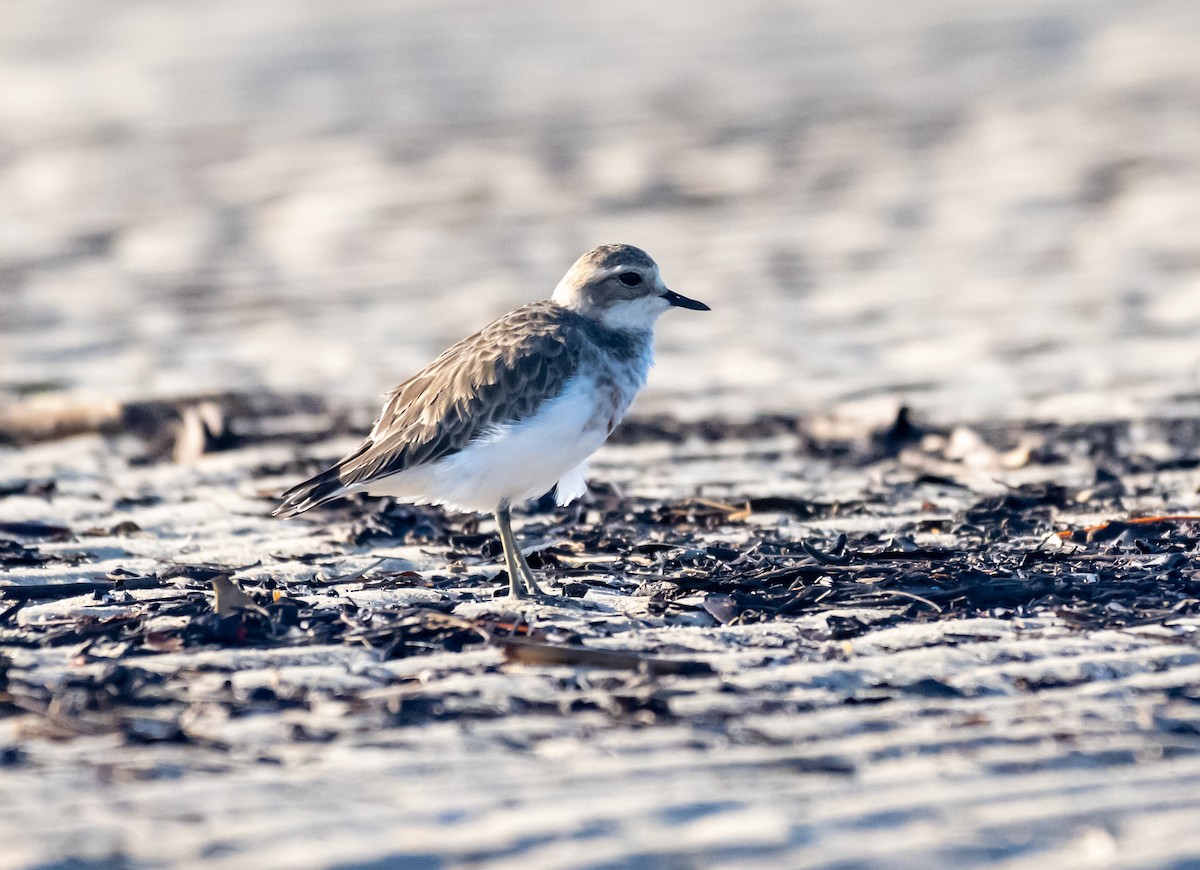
<point x="1067" y="534"/>
<point x="527" y="652"/>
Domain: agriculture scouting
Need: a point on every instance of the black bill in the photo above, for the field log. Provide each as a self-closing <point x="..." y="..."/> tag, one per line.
<point x="680" y="301"/>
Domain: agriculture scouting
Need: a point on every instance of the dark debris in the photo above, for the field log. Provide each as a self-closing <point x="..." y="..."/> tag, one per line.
<point x="1005" y="556"/>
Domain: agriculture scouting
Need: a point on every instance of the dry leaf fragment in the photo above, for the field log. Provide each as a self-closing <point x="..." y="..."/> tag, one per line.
<point x="230" y="598"/>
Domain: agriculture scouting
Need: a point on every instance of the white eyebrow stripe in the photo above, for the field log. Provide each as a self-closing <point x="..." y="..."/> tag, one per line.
<point x="620" y="270"/>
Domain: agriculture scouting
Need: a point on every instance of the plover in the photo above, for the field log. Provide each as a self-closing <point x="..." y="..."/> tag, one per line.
<point x="516" y="408"/>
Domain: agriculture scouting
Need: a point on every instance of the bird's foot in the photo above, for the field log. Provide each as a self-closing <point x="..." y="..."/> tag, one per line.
<point x="548" y="599"/>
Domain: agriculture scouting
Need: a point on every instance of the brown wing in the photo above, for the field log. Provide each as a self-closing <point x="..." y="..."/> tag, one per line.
<point x="499" y="375"/>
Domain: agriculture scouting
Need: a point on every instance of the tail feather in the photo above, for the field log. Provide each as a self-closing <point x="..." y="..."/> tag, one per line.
<point x="317" y="490"/>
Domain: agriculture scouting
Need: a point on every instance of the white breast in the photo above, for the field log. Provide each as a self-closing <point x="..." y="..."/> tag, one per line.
<point x="518" y="461"/>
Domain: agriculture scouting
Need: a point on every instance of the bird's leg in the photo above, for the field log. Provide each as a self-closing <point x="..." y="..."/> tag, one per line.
<point x="521" y="583"/>
<point x="527" y="572"/>
<point x="515" y="579"/>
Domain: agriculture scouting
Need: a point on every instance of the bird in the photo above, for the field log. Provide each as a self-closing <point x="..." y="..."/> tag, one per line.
<point x="517" y="408"/>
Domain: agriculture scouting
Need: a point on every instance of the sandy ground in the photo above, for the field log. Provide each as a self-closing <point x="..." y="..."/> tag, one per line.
<point x="985" y="211"/>
<point x="1011" y="737"/>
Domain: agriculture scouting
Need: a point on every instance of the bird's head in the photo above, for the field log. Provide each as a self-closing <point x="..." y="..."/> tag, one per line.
<point x="619" y="286"/>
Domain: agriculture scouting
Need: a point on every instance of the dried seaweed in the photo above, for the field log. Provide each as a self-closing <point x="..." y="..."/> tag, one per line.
<point x="1006" y="555"/>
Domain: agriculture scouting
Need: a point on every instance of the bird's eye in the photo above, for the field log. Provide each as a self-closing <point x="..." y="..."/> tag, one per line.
<point x="630" y="279"/>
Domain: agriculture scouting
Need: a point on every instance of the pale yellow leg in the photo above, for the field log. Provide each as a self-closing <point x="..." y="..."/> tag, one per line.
<point x="521" y="582"/>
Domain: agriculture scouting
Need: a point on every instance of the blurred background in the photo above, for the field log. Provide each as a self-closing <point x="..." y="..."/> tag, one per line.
<point x="978" y="208"/>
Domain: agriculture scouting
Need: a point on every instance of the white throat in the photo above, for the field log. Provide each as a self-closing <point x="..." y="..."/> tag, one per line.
<point x="636" y="314"/>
